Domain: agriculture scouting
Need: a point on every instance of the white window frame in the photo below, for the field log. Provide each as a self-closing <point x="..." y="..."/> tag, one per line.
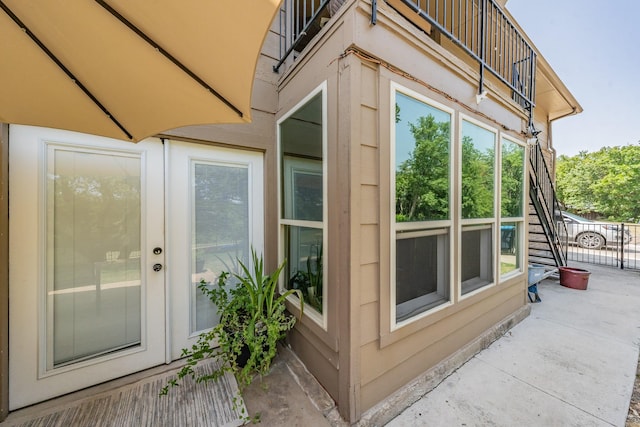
<point x="473" y="223"/>
<point x="310" y="312"/>
<point x="422" y="228"/>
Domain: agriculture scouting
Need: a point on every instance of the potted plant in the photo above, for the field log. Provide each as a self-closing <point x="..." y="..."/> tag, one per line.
<point x="253" y="319"/>
<point x="309" y="281"/>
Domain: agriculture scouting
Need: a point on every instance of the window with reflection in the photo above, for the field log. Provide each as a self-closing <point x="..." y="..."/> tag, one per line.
<point x="478" y="199"/>
<point x="422" y="165"/>
<point x="302" y="182"/>
<point x="511" y="206"/>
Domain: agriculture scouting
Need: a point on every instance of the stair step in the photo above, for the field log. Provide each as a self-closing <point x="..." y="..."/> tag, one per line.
<point x="539" y="246"/>
<point x="542" y="261"/>
<point x="541" y="254"/>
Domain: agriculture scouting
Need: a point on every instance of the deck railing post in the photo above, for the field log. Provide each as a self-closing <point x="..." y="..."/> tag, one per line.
<point x="483" y="47"/>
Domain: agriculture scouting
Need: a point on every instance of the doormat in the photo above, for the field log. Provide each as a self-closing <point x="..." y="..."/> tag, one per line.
<point x="139" y="404"/>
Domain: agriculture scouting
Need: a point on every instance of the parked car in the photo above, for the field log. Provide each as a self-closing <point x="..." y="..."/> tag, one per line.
<point x="590" y="234"/>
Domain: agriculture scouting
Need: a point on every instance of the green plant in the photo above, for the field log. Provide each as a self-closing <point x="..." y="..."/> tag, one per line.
<point x="309" y="281"/>
<point x="253" y="319"/>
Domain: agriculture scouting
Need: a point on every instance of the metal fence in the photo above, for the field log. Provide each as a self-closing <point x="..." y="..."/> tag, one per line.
<point x="615" y="245"/>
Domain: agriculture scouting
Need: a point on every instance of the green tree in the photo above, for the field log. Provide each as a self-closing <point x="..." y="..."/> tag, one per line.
<point x="606" y="181"/>
<point x="512" y="179"/>
<point x="422" y="181"/>
<point x="477" y="181"/>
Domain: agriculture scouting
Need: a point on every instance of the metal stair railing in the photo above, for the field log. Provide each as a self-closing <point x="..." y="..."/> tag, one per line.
<point x="545" y="202"/>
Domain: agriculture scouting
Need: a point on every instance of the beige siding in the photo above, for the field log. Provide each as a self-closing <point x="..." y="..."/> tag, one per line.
<point x="370" y="283"/>
<point x="453" y="339"/>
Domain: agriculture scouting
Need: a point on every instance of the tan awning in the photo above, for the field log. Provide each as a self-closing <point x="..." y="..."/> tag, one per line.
<point x="140" y="66"/>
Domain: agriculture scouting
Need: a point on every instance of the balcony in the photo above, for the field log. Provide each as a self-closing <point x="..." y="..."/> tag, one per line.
<point x="478" y="28"/>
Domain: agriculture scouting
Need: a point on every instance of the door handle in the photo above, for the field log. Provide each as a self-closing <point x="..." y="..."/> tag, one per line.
<point x="157" y="267"/>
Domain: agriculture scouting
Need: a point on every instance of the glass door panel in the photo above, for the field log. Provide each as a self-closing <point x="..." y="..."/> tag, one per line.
<point x="215" y="214"/>
<point x="220" y="231"/>
<point x="93" y="286"/>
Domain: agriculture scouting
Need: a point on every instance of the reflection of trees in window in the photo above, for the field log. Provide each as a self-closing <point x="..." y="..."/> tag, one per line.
<point x="512" y="176"/>
<point x="477" y="180"/>
<point x="422" y="181"/>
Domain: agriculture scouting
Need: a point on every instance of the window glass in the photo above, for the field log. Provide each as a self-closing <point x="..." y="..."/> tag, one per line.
<point x="511" y="206"/>
<point x="303" y="246"/>
<point x="478" y="159"/>
<point x="512" y="179"/>
<point x="422" y="272"/>
<point x="422" y="206"/>
<point x="476" y="265"/>
<point x="509" y="247"/>
<point x="301" y="148"/>
<point x="94" y="288"/>
<point x="302" y="189"/>
<point x="220" y="231"/>
<point x="423" y="135"/>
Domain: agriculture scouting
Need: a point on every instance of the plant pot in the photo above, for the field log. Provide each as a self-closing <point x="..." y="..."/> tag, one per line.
<point x="243" y="357"/>
<point x="574" y="278"/>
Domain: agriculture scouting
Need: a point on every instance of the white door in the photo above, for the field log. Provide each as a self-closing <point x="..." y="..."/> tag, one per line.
<point x="90" y="264"/>
<point x="86" y="231"/>
<point x="215" y="212"/>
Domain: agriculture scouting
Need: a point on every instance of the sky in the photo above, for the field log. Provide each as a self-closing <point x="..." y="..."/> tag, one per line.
<point x="594" y="47"/>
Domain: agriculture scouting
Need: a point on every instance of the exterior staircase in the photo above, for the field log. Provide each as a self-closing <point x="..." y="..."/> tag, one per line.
<point x="547" y="230"/>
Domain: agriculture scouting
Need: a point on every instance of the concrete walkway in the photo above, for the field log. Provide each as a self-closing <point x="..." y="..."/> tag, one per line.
<point x="572" y="362"/>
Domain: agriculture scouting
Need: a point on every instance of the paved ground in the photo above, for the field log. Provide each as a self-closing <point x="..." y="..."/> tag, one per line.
<point x="572" y="362"/>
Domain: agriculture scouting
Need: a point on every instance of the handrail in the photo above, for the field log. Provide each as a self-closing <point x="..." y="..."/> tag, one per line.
<point x="551" y="212"/>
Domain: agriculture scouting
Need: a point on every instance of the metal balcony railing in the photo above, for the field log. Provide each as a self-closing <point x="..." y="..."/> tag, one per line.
<point x="479" y="27"/>
<point x="484" y="32"/>
<point x="300" y="20"/>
